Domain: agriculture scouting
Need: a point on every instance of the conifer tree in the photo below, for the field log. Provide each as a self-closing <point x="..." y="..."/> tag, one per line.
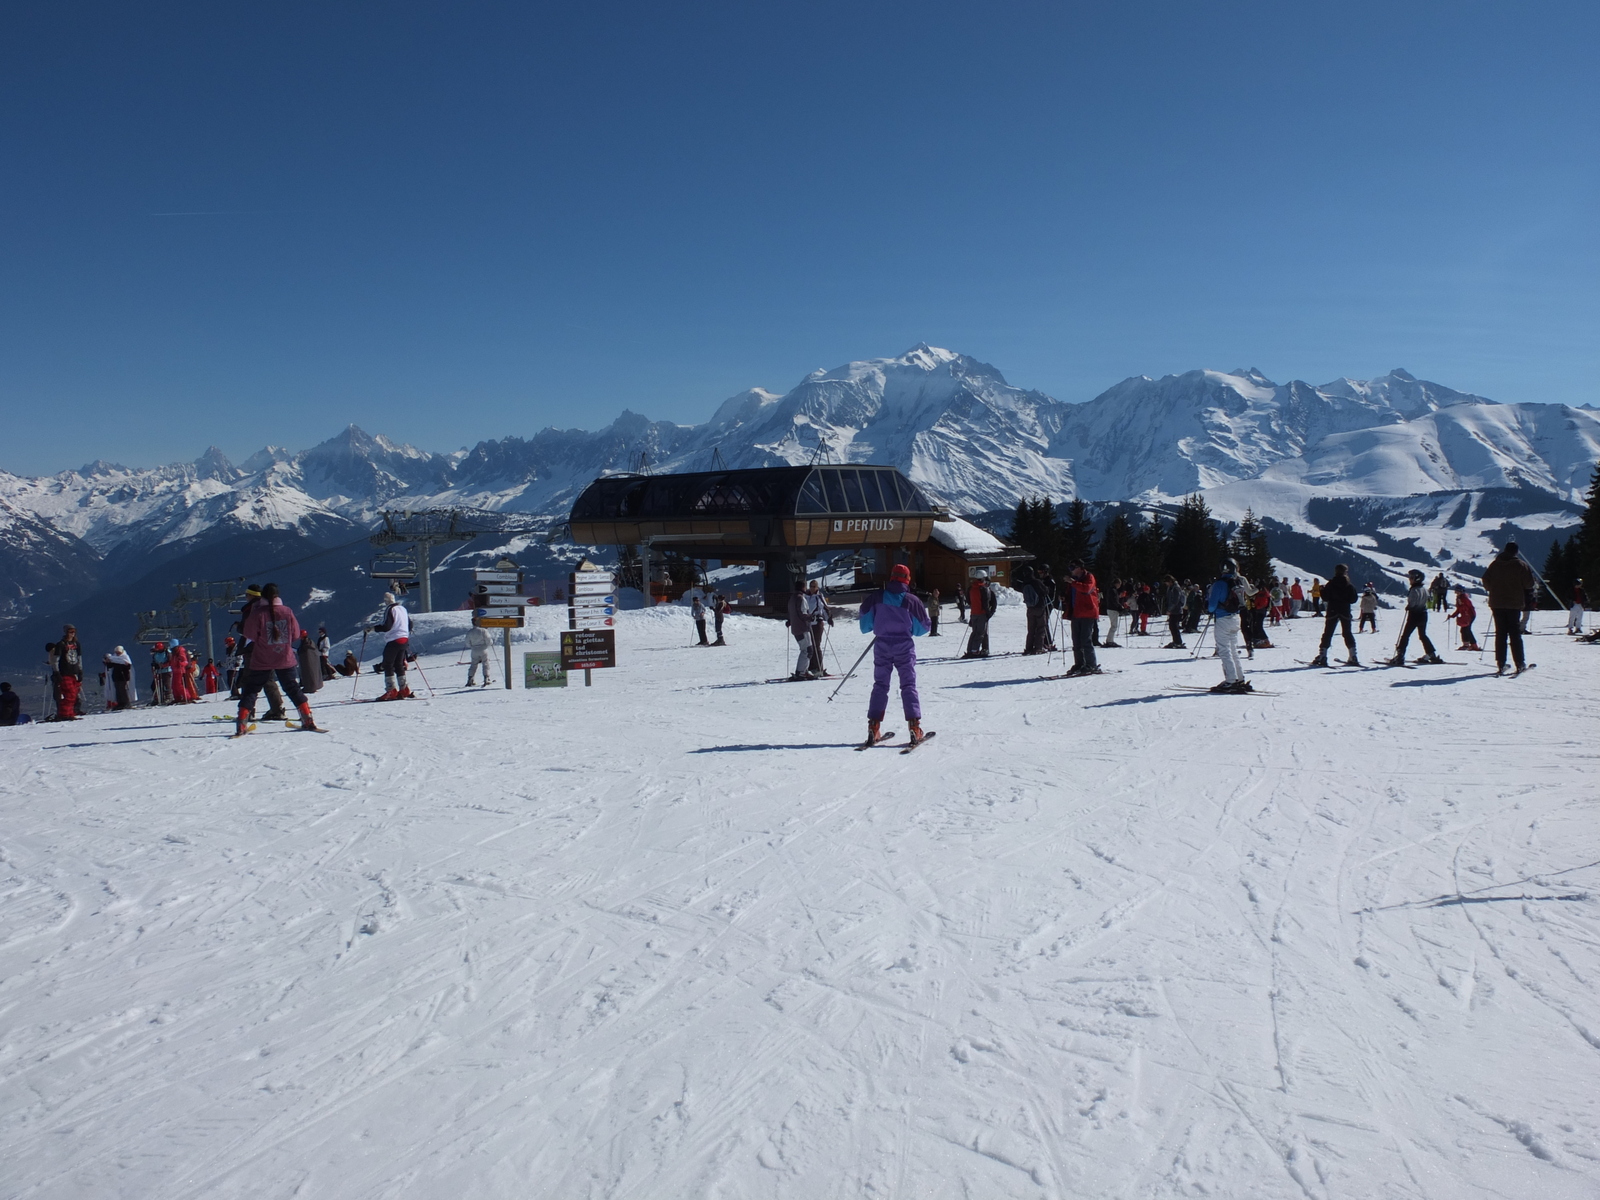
<point x="1114" y="559"/>
<point x="1149" y="551"/>
<point x="1077" y="535"/>
<point x="1195" y="547"/>
<point x="1250" y="550"/>
<point x="1558" y="570"/>
<point x="1586" y="564"/>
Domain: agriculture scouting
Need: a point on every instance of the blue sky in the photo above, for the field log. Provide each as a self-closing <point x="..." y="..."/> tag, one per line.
<point x="241" y="224"/>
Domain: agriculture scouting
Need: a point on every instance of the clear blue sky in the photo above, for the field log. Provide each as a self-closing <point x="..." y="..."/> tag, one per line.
<point x="243" y="223"/>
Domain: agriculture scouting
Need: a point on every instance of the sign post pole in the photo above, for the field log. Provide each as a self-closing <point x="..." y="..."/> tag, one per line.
<point x="507" y="633"/>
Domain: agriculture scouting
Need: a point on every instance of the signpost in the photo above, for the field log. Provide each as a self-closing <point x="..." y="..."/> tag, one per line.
<point x="497" y="603"/>
<point x="590" y="642"/>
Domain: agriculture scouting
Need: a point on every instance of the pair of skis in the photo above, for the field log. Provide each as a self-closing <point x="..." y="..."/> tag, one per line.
<point x="885" y="737"/>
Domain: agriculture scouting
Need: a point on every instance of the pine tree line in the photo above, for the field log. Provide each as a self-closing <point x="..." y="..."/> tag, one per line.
<point x="1579" y="557"/>
<point x="1190" y="547"/>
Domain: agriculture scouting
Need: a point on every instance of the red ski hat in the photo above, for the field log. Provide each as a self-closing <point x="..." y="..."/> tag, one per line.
<point x="900" y="573"/>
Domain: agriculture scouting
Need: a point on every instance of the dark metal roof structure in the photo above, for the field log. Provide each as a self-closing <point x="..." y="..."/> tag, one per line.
<point x="762" y="492"/>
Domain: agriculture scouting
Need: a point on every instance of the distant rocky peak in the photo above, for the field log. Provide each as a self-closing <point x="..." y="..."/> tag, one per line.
<point x="214" y="464"/>
<point x="266" y="457"/>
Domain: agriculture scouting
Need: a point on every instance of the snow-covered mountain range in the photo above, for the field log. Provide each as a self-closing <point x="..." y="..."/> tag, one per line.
<point x="953" y="424"/>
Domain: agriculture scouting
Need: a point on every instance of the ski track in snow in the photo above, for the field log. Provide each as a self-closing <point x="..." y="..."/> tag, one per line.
<point x="1102" y="939"/>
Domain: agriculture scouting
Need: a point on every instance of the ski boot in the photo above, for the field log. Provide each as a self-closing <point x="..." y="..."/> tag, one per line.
<point x="243" y="723"/>
<point x="306" y="723"/>
<point x="874" y="733"/>
<point x="391" y="694"/>
<point x="1429" y="659"/>
<point x="274" y="714"/>
<point x="1321" y="660"/>
<point x="1221" y="689"/>
<point x="1399" y="660"/>
<point x="405" y="693"/>
<point x="914" y="727"/>
<point x="1352" y="661"/>
<point x="1242" y="688"/>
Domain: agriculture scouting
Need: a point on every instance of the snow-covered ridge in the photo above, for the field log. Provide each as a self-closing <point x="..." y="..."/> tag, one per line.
<point x="950" y="422"/>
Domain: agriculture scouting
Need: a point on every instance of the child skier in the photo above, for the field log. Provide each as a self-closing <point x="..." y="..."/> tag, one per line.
<point x="895" y="616"/>
<point x="1465" y="614"/>
<point x="1416" y="619"/>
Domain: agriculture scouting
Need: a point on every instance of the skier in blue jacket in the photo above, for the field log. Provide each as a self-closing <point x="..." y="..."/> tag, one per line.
<point x="896" y="616"/>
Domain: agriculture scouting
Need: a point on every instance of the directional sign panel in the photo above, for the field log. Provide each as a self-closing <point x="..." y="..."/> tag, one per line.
<point x="588" y="649"/>
<point x="497" y="576"/>
<point x="499" y="588"/>
<point x="498" y="622"/>
<point x="498" y="611"/>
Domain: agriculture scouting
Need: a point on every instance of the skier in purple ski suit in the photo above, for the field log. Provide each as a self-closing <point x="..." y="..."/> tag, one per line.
<point x="896" y="616"/>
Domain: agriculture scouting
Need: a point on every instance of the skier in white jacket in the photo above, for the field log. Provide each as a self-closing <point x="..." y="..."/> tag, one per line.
<point x="478" y="643"/>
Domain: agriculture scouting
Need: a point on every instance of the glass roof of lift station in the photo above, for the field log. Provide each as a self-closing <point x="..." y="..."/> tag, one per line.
<point x="766" y="492"/>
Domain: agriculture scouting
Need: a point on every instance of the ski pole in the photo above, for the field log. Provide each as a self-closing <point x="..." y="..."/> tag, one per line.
<point x="852" y="670"/>
<point x="418" y="664"/>
<point x="1200" y="641"/>
<point x="355" y="681"/>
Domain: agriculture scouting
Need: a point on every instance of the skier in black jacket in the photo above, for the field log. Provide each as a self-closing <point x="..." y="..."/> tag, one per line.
<point x="1338" y="594"/>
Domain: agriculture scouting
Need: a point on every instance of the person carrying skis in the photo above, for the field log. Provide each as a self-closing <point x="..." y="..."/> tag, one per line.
<point x="273" y="632"/>
<point x="478" y="642"/>
<point x="1369" y="609"/>
<point x="1416" y="619"/>
<point x="1177" y="601"/>
<point x="1226" y="602"/>
<point x="396" y="630"/>
<point x="894" y="616"/>
<point x="1508" y="580"/>
<point x="1464" y="615"/>
<point x="982" y="601"/>
<point x="1338" y="595"/>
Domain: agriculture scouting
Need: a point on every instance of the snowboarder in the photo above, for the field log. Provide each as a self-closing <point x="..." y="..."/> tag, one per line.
<point x="120" y="667"/>
<point x="1177" y="601"/>
<point x="1575" y="613"/>
<point x="894" y="616"/>
<point x="310" y="663"/>
<point x="1226" y="602"/>
<point x="1416" y="619"/>
<point x="982" y="601"/>
<point x="807" y="666"/>
<point x="1464" y="615"/>
<point x="478" y="641"/>
<point x="1508" y="580"/>
<point x="1369" y="609"/>
<point x="1080" y="606"/>
<point x="396" y="630"/>
<point x="1338" y="595"/>
<point x="272" y="632"/>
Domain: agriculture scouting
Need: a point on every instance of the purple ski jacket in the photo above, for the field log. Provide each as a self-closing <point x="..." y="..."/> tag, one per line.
<point x="895" y="615"/>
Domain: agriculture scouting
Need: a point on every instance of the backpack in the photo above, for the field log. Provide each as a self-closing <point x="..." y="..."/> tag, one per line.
<point x="1232" y="602"/>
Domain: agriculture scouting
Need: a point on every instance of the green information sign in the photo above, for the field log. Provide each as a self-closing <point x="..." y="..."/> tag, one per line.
<point x="542" y="668"/>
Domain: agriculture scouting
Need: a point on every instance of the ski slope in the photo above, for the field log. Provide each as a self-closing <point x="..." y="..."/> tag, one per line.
<point x="670" y="936"/>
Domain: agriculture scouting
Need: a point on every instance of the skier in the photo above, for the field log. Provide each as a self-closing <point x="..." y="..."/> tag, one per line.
<point x="1438" y="593"/>
<point x="1369" y="609"/>
<point x="10" y="706"/>
<point x="396" y="630"/>
<point x="697" y="610"/>
<point x="982" y="601"/>
<point x="68" y="675"/>
<point x="272" y="631"/>
<point x="894" y="616"/>
<point x="1416" y="619"/>
<point x="1146" y="609"/>
<point x="120" y="667"/>
<point x="1111" y="601"/>
<point x="720" y="608"/>
<point x="323" y="646"/>
<point x="478" y="644"/>
<point x="1338" y="595"/>
<point x="806" y="666"/>
<point x="1297" y="599"/>
<point x="821" y="621"/>
<point x="1575" y="613"/>
<point x="1465" y="614"/>
<point x="275" y="710"/>
<point x="1508" y="579"/>
<point x="1080" y="605"/>
<point x="160" y="675"/>
<point x="1226" y="603"/>
<point x="1038" y="609"/>
<point x="1177" y="601"/>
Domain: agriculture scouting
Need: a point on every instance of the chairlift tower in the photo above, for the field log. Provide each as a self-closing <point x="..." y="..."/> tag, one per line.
<point x="219" y="593"/>
<point x="426" y="528"/>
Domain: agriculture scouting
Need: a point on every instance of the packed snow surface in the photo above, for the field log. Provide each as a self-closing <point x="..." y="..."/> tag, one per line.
<point x="670" y="936"/>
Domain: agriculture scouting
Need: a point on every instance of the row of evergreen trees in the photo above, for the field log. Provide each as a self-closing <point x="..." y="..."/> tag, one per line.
<point x="1579" y="557"/>
<point x="1191" y="546"/>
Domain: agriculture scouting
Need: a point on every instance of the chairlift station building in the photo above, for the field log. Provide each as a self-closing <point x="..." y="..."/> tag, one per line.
<point x="783" y="518"/>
